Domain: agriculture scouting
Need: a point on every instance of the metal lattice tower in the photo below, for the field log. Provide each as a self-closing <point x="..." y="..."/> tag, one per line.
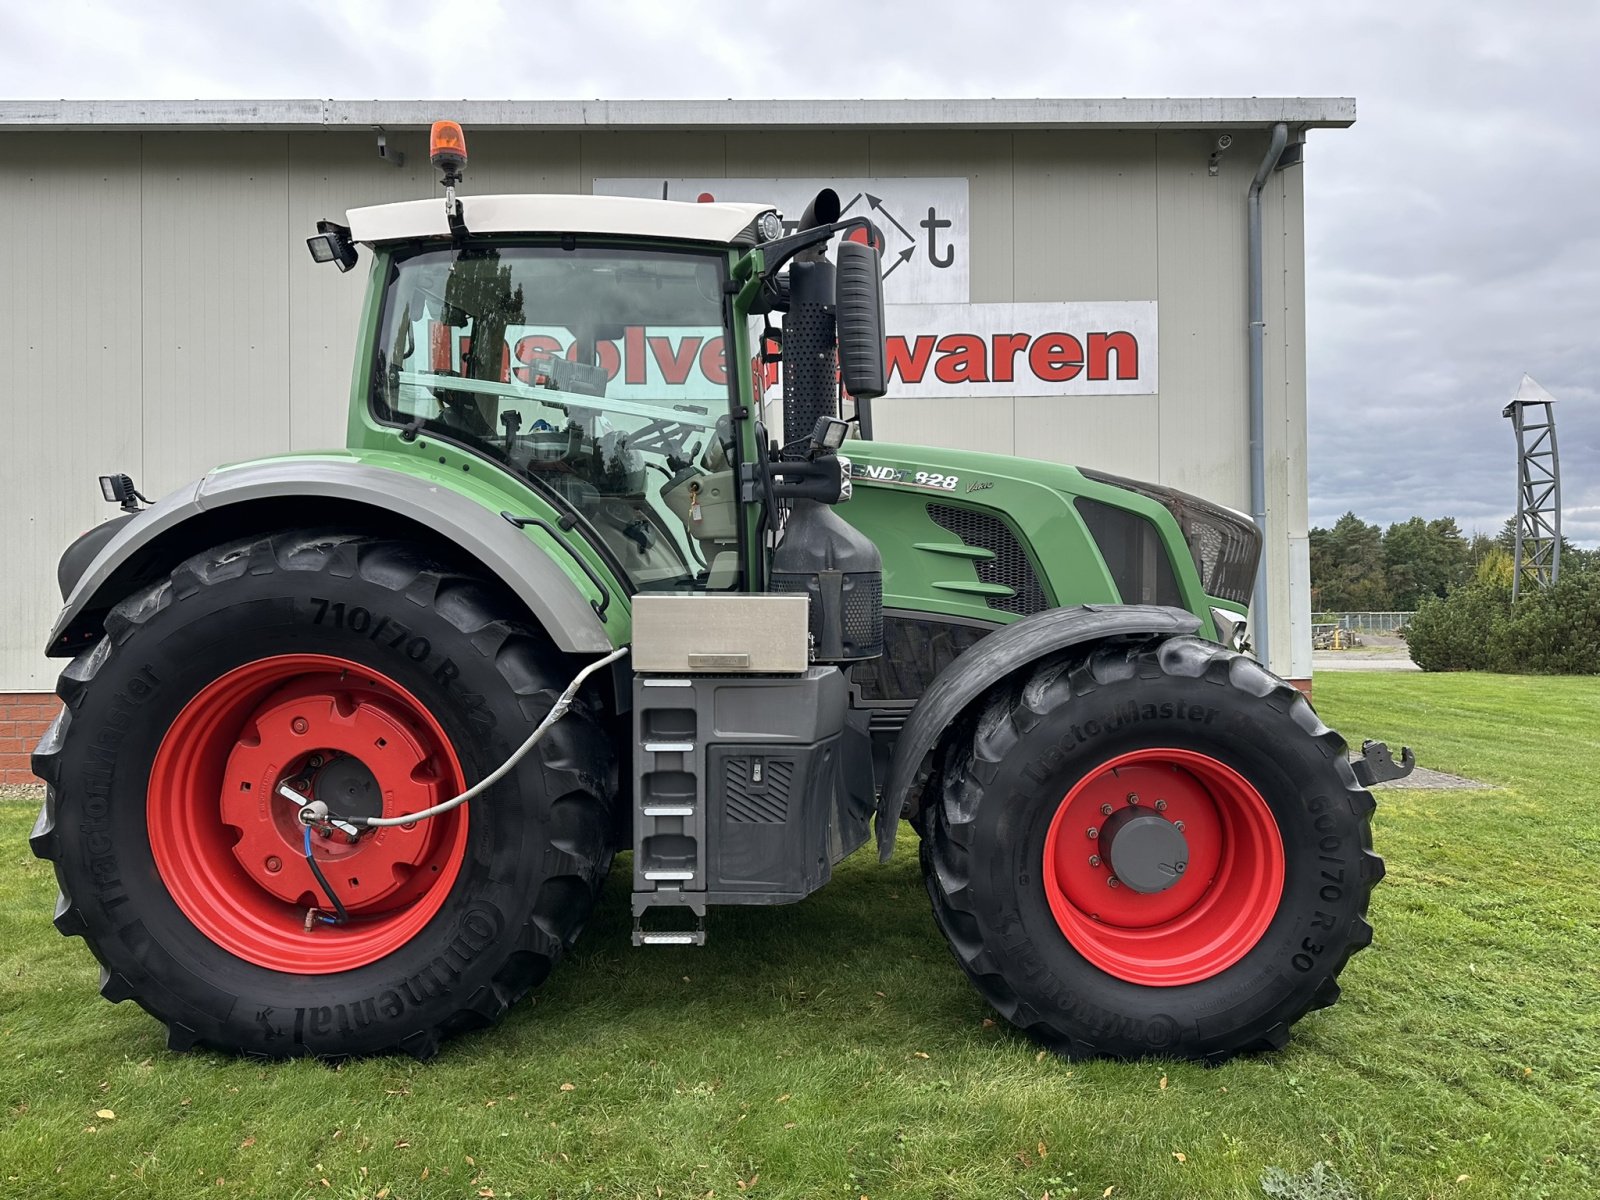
<point x="1537" y="552"/>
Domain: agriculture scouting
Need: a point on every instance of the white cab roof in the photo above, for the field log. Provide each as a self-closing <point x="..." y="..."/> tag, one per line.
<point x="621" y="215"/>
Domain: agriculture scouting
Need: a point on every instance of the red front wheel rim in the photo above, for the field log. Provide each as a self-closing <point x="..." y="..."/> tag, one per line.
<point x="1219" y="906"/>
<point x="230" y="850"/>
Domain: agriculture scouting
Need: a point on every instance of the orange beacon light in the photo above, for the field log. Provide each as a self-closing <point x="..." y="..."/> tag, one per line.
<point x="447" y="149"/>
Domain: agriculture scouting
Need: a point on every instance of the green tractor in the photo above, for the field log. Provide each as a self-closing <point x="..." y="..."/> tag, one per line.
<point x="350" y="739"/>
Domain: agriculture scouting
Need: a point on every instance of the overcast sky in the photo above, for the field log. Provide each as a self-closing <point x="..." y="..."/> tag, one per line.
<point x="1453" y="233"/>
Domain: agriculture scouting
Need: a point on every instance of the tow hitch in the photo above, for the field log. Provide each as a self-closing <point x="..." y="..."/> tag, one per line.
<point x="1376" y="765"/>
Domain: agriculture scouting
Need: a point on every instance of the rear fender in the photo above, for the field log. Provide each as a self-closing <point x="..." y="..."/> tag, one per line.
<point x="997" y="656"/>
<point x="159" y="538"/>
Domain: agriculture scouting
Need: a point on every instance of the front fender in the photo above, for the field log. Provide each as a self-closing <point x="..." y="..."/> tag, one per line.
<point x="501" y="548"/>
<point x="986" y="664"/>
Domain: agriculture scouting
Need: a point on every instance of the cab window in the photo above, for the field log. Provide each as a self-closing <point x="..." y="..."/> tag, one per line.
<point x="602" y="372"/>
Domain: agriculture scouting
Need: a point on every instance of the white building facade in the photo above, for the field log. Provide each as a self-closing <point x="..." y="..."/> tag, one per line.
<point x="161" y="314"/>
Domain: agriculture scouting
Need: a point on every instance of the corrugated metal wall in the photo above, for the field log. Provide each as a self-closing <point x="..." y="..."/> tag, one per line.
<point x="160" y="314"/>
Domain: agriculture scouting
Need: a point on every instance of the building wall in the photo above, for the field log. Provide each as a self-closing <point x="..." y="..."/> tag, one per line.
<point x="161" y="314"/>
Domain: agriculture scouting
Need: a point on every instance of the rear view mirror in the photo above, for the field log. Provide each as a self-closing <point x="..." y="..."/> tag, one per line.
<point x="860" y="315"/>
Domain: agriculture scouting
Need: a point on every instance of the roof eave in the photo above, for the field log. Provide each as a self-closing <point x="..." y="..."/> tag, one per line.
<point x="700" y="115"/>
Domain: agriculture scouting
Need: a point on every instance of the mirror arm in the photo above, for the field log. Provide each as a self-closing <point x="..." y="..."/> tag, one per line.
<point x="777" y="255"/>
<point x="863" y="416"/>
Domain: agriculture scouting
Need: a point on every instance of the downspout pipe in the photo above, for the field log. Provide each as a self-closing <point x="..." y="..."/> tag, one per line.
<point x="1258" y="401"/>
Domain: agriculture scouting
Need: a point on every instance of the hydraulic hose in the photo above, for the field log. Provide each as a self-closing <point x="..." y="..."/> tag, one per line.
<point x="557" y="711"/>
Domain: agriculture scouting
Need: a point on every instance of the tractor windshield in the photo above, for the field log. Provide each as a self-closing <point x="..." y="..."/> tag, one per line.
<point x="600" y="371"/>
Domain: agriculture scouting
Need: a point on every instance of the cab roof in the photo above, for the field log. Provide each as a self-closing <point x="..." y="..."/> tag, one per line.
<point x="409" y="220"/>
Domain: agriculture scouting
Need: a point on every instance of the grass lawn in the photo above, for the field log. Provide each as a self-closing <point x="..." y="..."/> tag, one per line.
<point x="833" y="1049"/>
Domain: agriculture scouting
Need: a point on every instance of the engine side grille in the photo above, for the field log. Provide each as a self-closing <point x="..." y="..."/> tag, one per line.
<point x="1009" y="566"/>
<point x="863" y="611"/>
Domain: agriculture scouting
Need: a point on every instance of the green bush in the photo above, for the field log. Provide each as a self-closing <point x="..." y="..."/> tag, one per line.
<point x="1550" y="631"/>
<point x="1456" y="633"/>
<point x="1555" y="631"/>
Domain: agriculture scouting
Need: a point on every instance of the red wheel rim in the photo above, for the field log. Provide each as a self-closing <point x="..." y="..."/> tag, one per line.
<point x="1218" y="908"/>
<point x="231" y="851"/>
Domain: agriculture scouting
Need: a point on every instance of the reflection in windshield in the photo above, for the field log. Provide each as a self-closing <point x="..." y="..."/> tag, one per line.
<point x="602" y="372"/>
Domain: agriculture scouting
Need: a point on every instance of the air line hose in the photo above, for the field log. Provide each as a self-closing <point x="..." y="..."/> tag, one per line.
<point x="557" y="711"/>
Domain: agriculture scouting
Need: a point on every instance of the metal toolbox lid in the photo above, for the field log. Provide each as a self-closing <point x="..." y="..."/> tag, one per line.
<point x="731" y="634"/>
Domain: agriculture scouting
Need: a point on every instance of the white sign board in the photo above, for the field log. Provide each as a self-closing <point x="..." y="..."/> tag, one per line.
<point x="927" y="235"/>
<point x="1068" y="348"/>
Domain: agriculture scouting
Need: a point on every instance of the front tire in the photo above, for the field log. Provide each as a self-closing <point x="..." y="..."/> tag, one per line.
<point x="382" y="681"/>
<point x="1244" y="836"/>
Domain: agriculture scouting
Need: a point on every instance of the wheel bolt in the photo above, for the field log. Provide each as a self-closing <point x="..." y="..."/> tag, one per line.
<point x="1094" y="860"/>
<point x="1133" y="797"/>
<point x="1105" y="810"/>
<point x="299" y="724"/>
<point x="274" y="864"/>
<point x="1178" y="825"/>
<point x="1092" y="832"/>
<point x="314" y="761"/>
<point x="1113" y="881"/>
<point x="1161" y="806"/>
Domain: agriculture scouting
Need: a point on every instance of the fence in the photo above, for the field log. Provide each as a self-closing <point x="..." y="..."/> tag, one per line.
<point x="1361" y="622"/>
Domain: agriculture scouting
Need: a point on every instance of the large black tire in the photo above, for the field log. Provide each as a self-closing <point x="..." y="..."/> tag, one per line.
<point x="536" y="847"/>
<point x="1005" y="774"/>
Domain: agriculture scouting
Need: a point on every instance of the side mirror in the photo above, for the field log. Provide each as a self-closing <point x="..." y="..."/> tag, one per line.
<point x="859" y="310"/>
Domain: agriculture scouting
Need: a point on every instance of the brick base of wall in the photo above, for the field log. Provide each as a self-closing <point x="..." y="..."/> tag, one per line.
<point x="24" y="716"/>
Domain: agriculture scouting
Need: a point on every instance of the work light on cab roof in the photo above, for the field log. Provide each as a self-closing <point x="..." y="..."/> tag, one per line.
<point x="349" y="772"/>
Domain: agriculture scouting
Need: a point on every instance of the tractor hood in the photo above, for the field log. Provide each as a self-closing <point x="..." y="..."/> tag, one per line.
<point x="993" y="537"/>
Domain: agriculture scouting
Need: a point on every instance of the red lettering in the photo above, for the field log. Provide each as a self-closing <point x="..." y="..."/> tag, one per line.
<point x="962" y="359"/>
<point x="530" y="350"/>
<point x="908" y="362"/>
<point x="714" y="362"/>
<point x="1055" y="357"/>
<point x="633" y="353"/>
<point x="769" y="364"/>
<point x="438" y="347"/>
<point x="674" y="364"/>
<point x="1006" y="348"/>
<point x="505" y="360"/>
<point x="1126" y="348"/>
<point x="610" y="358"/>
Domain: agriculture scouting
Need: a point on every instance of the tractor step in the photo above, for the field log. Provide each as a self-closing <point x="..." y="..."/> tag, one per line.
<point x="669" y="898"/>
<point x="687" y="938"/>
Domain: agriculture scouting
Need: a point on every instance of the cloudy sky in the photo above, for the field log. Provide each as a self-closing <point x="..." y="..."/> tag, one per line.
<point x="1453" y="232"/>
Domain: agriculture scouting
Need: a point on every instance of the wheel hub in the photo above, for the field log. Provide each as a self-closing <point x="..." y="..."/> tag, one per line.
<point x="1147" y="852"/>
<point x="348" y="787"/>
<point x="230" y="846"/>
<point x="367" y="756"/>
<point x="1163" y="866"/>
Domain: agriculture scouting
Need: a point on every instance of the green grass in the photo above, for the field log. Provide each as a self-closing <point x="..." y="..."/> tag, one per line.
<point x="833" y="1049"/>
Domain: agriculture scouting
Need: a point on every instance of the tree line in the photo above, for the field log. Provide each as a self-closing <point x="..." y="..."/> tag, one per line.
<point x="1358" y="567"/>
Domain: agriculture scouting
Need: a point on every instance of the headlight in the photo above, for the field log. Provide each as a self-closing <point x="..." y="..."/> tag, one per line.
<point x="769" y="226"/>
<point x="1231" y="630"/>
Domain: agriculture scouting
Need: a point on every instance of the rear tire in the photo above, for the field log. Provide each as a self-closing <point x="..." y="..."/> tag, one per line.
<point x="1216" y="963"/>
<point x="173" y="865"/>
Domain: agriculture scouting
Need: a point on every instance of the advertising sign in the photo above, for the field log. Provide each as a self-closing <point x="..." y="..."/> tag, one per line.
<point x="1067" y="348"/>
<point x="924" y="222"/>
